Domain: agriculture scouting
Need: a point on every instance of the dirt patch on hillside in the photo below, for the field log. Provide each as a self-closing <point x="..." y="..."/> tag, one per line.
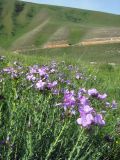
<point x="56" y="44"/>
<point x="96" y="41"/>
<point x="87" y="42"/>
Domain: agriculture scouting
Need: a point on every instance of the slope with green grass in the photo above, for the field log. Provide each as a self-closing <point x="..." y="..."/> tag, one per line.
<point x="19" y="19"/>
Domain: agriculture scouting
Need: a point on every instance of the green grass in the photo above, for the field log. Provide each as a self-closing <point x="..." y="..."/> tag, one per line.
<point x="32" y="128"/>
<point x="19" y="18"/>
<point x="108" y="53"/>
<point x="7" y="17"/>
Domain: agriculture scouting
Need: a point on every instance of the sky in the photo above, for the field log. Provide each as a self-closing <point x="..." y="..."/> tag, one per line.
<point x="110" y="6"/>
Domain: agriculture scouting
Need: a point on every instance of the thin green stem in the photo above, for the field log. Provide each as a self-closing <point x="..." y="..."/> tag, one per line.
<point x="75" y="146"/>
<point x="55" y="143"/>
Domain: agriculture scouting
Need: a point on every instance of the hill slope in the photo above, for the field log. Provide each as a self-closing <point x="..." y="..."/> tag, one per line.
<point x="20" y="20"/>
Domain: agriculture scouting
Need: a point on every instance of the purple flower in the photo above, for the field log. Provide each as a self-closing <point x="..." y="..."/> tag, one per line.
<point x="98" y="119"/>
<point x="40" y="85"/>
<point x="102" y="96"/>
<point x="70" y="67"/>
<point x="9" y="70"/>
<point x="55" y="91"/>
<point x="63" y="90"/>
<point x="14" y="75"/>
<point x="69" y="99"/>
<point x="92" y="92"/>
<point x="85" y="109"/>
<point x="52" y="85"/>
<point x="30" y="77"/>
<point x="86" y="120"/>
<point x="68" y="82"/>
<point x="81" y="91"/>
<point x="42" y="71"/>
<point x="83" y="101"/>
<point x="114" y="105"/>
<point x="33" y="70"/>
<point x="78" y="75"/>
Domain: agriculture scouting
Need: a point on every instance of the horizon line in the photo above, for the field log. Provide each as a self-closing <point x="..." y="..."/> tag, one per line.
<point x="106" y="12"/>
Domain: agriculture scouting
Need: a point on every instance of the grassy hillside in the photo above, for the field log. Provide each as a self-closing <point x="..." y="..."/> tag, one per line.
<point x="65" y="109"/>
<point x="20" y="20"/>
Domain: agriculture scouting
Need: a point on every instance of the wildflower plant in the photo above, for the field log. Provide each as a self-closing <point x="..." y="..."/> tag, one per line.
<point x="51" y="112"/>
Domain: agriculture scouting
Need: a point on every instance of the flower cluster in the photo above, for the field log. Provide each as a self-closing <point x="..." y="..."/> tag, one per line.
<point x="94" y="93"/>
<point x="40" y="77"/>
<point x="79" y="103"/>
<point x="11" y="71"/>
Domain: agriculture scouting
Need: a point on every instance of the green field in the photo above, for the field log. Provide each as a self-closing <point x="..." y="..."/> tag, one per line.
<point x="108" y="53"/>
<point x="30" y="120"/>
<point x="39" y="123"/>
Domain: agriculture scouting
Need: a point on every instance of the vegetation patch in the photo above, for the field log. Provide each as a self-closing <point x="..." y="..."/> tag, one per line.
<point x="54" y="112"/>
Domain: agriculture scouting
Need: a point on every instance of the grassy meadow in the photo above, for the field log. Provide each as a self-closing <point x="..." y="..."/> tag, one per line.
<point x="61" y="103"/>
<point x="33" y="127"/>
